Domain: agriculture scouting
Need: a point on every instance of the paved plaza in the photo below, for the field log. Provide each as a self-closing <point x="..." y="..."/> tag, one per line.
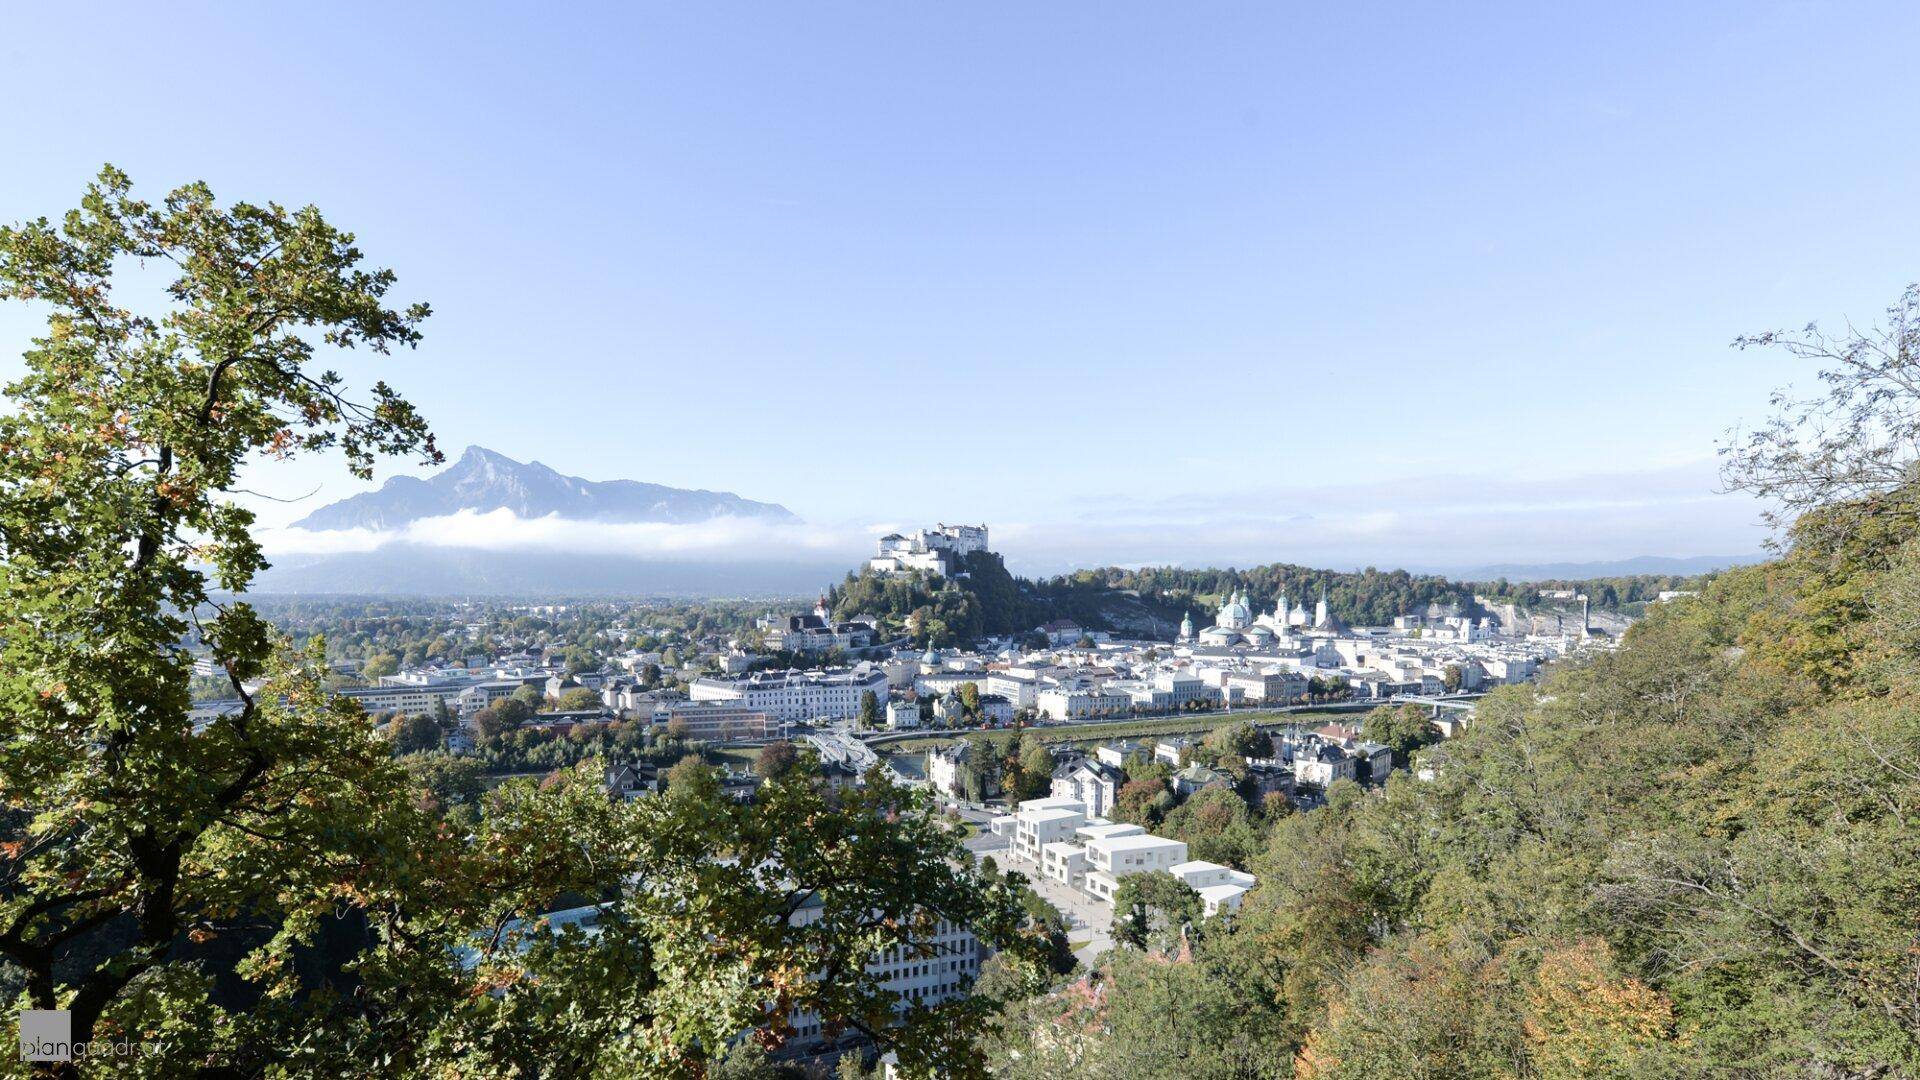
<point x="1085" y="915"/>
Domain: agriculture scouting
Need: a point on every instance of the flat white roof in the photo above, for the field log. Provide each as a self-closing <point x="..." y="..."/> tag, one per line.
<point x="1135" y="842"/>
<point x="1048" y="814"/>
<point x="1056" y="802"/>
<point x="1194" y="866"/>
<point x="1106" y="829"/>
<point x="1063" y="847"/>
<point x="1217" y="893"/>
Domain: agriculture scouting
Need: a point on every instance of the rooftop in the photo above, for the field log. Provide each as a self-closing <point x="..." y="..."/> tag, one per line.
<point x="1135" y="842"/>
<point x="1101" y="832"/>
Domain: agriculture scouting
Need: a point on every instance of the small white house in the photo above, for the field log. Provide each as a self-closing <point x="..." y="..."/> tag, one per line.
<point x="903" y="714"/>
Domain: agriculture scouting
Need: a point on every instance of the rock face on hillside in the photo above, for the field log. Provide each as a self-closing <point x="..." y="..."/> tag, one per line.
<point x="483" y="480"/>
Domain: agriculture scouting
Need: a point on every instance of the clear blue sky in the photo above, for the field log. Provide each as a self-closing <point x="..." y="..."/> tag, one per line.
<point x="1338" y="283"/>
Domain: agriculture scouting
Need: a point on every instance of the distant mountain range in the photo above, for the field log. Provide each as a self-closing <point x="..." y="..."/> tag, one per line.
<point x="1578" y="571"/>
<point x="483" y="480"/>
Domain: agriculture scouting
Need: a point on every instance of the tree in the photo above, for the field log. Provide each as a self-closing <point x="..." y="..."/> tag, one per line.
<point x="448" y="780"/>
<point x="1141" y="802"/>
<point x="1417" y="1010"/>
<point x="513" y="711"/>
<point x="380" y="667"/>
<point x="1036" y="768"/>
<point x="1240" y="740"/>
<point x="1216" y="826"/>
<point x="134" y="847"/>
<point x="1154" y="910"/>
<point x="1401" y="728"/>
<point x="414" y="733"/>
<point x="776" y="759"/>
<point x="1854" y="446"/>
<point x="531" y="697"/>
<point x="678" y="729"/>
<point x="1144" y="766"/>
<point x="1585" y="1019"/>
<point x="691" y="949"/>
<point x="578" y="699"/>
<point x="1452" y="678"/>
<point x="869" y="710"/>
<point x="116" y="469"/>
<point x="969" y="694"/>
<point x="692" y="779"/>
<point x="488" y="724"/>
<point x="1174" y="1017"/>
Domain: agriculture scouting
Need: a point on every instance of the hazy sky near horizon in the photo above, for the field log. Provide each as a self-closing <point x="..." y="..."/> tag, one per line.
<point x="1403" y="284"/>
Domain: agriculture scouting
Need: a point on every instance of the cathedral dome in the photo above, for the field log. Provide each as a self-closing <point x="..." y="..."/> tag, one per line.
<point x="1234" y="614"/>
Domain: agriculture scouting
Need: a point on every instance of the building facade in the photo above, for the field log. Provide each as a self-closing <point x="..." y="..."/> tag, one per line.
<point x="796" y="696"/>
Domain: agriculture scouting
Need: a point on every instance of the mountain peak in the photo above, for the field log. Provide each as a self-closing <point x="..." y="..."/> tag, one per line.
<point x="484" y="480"/>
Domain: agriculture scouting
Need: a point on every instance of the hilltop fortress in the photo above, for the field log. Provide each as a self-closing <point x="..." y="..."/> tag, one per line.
<point x="936" y="551"/>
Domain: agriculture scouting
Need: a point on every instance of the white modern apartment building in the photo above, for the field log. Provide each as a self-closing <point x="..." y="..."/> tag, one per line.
<point x="1040" y="822"/>
<point x="1110" y="858"/>
<point x="1220" y="887"/>
<point x="1065" y="861"/>
<point x="796" y="696"/>
<point x="1092" y="855"/>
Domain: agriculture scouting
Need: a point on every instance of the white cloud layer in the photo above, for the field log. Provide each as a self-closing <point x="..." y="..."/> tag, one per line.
<point x="1425" y="523"/>
<point x="724" y="539"/>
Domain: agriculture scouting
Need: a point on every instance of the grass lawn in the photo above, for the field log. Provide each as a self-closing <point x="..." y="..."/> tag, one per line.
<point x="735" y="755"/>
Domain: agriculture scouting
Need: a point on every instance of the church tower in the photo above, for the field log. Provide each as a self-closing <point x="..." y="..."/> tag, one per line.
<point x="1320" y="619"/>
<point x="1186" y="627"/>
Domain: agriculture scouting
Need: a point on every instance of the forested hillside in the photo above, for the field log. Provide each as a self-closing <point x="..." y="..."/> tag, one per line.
<point x="1693" y="857"/>
<point x="1151" y="601"/>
